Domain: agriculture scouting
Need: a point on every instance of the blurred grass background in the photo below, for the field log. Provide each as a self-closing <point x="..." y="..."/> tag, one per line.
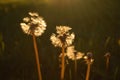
<point x="96" y="24"/>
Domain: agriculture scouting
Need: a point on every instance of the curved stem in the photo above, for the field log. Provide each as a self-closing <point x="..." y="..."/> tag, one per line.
<point x="63" y="63"/>
<point x="37" y="57"/>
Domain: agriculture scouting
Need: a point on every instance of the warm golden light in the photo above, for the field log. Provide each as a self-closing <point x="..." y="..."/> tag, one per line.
<point x="55" y="40"/>
<point x="61" y="30"/>
<point x="34" y="24"/>
<point x="88" y="58"/>
<point x="71" y="53"/>
<point x="62" y="37"/>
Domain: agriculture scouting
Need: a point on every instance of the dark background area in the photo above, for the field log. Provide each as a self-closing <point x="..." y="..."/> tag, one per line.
<point x="96" y="24"/>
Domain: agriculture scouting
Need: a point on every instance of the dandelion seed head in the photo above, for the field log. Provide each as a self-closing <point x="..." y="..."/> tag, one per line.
<point x="26" y="19"/>
<point x="71" y="53"/>
<point x="33" y="14"/>
<point x="61" y="30"/>
<point x="70" y="38"/>
<point x="79" y="55"/>
<point x="34" y="24"/>
<point x="89" y="55"/>
<point x="107" y="54"/>
<point x="63" y="36"/>
<point x="55" y="40"/>
<point x="25" y="27"/>
<point x="89" y="58"/>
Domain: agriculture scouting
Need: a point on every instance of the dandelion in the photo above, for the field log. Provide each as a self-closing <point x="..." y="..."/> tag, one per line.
<point x="89" y="60"/>
<point x="34" y="25"/>
<point x="107" y="55"/>
<point x="62" y="39"/>
<point x="74" y="55"/>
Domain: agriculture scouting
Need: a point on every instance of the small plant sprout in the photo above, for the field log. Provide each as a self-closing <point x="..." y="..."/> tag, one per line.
<point x="107" y="56"/>
<point x="74" y="55"/>
<point x="89" y="60"/>
<point x="34" y="25"/>
<point x="62" y="39"/>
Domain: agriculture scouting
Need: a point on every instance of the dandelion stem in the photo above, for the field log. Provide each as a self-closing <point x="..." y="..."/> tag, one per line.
<point x="107" y="63"/>
<point x="70" y="74"/>
<point x="37" y="58"/>
<point x="88" y="70"/>
<point x="63" y="63"/>
<point x="75" y="68"/>
<point x="107" y="56"/>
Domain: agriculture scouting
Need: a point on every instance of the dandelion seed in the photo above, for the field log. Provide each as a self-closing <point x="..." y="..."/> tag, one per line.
<point x="33" y="14"/>
<point x="25" y="27"/>
<point x="26" y="19"/>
